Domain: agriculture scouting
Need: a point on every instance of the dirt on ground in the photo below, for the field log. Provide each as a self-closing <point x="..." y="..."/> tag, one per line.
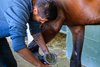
<point x="57" y="46"/>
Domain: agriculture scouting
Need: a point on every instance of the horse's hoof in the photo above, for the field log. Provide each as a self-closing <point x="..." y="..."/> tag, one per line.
<point x="50" y="58"/>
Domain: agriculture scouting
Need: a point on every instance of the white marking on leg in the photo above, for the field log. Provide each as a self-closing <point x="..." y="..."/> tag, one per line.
<point x="75" y="53"/>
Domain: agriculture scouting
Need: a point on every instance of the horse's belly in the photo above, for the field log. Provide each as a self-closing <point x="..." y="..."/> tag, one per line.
<point x="85" y="20"/>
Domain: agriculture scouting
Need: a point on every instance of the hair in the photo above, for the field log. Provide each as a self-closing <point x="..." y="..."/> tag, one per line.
<point x="49" y="7"/>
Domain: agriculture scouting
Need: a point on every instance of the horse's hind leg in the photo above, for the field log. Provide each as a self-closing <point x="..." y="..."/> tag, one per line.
<point x="78" y="37"/>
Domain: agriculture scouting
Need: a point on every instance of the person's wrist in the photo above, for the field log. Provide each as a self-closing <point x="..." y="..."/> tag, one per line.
<point x="39" y="64"/>
<point x="46" y="51"/>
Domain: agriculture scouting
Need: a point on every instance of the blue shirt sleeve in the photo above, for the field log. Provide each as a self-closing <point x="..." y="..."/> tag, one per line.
<point x="17" y="16"/>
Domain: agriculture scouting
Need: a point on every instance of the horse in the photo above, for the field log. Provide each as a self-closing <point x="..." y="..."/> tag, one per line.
<point x="76" y="14"/>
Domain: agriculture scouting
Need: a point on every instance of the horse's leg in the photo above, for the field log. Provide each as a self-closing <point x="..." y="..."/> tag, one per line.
<point x="51" y="31"/>
<point x="52" y="28"/>
<point x="78" y="38"/>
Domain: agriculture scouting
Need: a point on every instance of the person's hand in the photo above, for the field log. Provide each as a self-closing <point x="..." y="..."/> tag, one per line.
<point x="43" y="65"/>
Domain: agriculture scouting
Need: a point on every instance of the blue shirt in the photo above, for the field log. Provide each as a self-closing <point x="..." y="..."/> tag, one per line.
<point x="14" y="14"/>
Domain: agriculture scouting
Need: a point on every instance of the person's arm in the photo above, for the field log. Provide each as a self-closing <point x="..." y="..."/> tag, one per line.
<point x="35" y="30"/>
<point x="27" y="55"/>
<point x="38" y="38"/>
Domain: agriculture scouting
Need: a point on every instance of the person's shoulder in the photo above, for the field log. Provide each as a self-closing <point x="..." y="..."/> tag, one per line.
<point x="23" y="2"/>
<point x="26" y="4"/>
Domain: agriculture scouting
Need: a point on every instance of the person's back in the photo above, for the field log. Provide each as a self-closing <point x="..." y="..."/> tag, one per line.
<point x="4" y="4"/>
<point x="9" y="11"/>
